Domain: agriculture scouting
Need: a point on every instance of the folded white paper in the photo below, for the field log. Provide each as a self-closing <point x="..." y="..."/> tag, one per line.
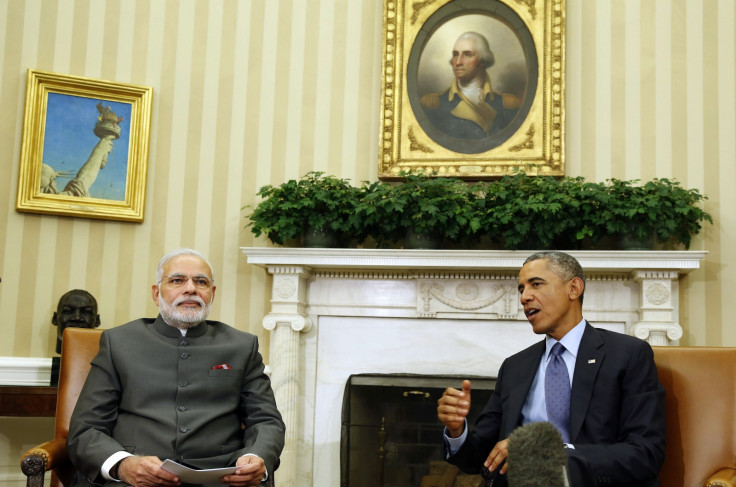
<point x="192" y="476"/>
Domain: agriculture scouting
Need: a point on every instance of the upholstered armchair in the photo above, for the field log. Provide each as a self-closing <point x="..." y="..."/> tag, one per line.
<point x="701" y="415"/>
<point x="78" y="348"/>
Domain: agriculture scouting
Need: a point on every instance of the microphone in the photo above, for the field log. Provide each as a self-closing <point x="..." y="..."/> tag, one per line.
<point x="536" y="457"/>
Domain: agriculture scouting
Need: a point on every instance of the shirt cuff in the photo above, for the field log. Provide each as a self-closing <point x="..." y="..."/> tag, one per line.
<point x="111" y="461"/>
<point x="454" y="444"/>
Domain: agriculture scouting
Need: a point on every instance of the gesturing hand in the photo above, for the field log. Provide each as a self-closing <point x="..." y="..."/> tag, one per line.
<point x="453" y="408"/>
<point x="497" y="456"/>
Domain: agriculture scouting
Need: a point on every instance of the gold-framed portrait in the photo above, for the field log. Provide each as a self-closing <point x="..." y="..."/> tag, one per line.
<point x="84" y="150"/>
<point x="473" y="88"/>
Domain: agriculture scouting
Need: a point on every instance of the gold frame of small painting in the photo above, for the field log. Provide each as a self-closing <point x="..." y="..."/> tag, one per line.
<point x="84" y="150"/>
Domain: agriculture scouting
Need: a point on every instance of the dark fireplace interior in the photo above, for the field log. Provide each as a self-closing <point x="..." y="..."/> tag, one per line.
<point x="391" y="436"/>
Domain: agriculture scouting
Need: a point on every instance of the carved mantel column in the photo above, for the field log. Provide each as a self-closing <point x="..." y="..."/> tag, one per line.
<point x="657" y="323"/>
<point x="285" y="321"/>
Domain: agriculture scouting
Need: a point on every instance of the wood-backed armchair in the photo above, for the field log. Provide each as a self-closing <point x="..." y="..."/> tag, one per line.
<point x="701" y="415"/>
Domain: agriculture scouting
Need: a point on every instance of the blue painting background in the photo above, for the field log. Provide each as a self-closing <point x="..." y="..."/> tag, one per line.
<point x="69" y="139"/>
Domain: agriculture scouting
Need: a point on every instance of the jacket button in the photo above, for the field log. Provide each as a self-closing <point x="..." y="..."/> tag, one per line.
<point x="184" y="355"/>
<point x="181" y="408"/>
<point x="183" y="429"/>
<point x="183" y="383"/>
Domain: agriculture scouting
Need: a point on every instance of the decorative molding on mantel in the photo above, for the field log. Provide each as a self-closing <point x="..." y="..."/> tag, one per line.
<point x="489" y="276"/>
<point x="681" y="261"/>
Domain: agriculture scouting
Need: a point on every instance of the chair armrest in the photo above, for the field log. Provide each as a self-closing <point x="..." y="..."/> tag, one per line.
<point x="725" y="477"/>
<point x="44" y="457"/>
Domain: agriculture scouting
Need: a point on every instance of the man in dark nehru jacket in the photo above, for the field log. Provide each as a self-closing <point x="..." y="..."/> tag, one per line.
<point x="176" y="387"/>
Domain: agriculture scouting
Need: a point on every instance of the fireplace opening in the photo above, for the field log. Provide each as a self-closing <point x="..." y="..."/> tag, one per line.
<point x="391" y="436"/>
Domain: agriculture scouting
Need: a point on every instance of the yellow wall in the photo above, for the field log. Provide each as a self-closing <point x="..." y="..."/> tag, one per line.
<point x="245" y="93"/>
<point x="253" y="92"/>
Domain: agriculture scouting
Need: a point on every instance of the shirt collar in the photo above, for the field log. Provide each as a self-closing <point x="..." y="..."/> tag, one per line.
<point x="571" y="340"/>
<point x="455" y="89"/>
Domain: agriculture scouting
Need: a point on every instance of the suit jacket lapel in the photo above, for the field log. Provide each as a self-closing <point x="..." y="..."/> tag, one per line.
<point x="527" y="371"/>
<point x="590" y="357"/>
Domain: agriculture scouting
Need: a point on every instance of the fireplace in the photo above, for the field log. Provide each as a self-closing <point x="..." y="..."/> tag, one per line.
<point x="342" y="313"/>
<point x="390" y="433"/>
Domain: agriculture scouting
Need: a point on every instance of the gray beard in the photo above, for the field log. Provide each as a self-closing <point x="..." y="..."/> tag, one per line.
<point x="183" y="318"/>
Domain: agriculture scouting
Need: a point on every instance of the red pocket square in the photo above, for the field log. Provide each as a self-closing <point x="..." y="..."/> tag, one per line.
<point x="222" y="366"/>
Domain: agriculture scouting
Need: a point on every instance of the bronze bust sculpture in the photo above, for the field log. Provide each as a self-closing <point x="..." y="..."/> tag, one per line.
<point x="76" y="308"/>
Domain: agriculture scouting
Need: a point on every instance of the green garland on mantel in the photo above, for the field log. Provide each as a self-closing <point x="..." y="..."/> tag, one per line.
<point x="515" y="212"/>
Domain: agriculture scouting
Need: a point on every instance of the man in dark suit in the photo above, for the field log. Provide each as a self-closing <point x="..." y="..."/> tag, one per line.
<point x="176" y="387"/>
<point x="611" y="415"/>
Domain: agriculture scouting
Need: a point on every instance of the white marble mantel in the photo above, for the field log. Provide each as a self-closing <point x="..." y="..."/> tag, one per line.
<point x="388" y="259"/>
<point x="337" y="312"/>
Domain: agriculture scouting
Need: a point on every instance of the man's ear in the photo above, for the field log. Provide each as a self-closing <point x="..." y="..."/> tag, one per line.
<point x="53" y="319"/>
<point x="577" y="286"/>
<point x="155" y="294"/>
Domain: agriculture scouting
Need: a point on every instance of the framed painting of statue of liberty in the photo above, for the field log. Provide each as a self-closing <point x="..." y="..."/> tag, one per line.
<point x="472" y="88"/>
<point x="85" y="147"/>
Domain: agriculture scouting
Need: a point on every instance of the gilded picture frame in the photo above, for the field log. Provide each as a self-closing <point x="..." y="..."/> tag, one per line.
<point x="84" y="150"/>
<point x="427" y="123"/>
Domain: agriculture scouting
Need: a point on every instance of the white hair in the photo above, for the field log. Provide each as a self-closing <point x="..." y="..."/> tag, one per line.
<point x="481" y="47"/>
<point x="175" y="253"/>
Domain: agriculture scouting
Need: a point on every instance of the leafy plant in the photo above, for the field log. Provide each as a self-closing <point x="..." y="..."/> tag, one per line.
<point x="660" y="210"/>
<point x="314" y="203"/>
<point x="376" y="201"/>
<point x="521" y="211"/>
<point x="515" y="212"/>
<point x="430" y="208"/>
